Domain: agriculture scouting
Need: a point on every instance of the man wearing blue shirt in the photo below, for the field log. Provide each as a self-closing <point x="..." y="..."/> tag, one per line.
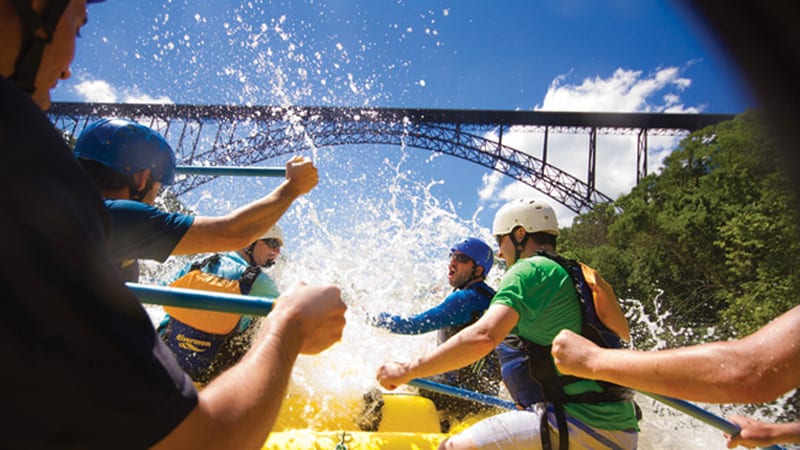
<point x="470" y="262"/>
<point x="130" y="162"/>
<point x="86" y="369"/>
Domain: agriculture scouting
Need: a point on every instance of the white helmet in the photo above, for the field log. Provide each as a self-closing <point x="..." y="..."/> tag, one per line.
<point x="534" y="216"/>
<point x="274" y="232"/>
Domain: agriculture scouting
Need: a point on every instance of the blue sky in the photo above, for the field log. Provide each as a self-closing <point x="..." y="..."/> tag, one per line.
<point x="576" y="55"/>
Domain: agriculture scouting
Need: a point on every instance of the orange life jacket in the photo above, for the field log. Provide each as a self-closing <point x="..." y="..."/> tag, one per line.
<point x="211" y="321"/>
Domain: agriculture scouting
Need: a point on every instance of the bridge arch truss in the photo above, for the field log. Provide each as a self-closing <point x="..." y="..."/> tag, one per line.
<point x="237" y="135"/>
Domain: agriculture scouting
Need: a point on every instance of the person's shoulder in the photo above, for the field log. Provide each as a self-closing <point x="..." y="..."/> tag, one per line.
<point x="134" y="209"/>
<point x="265" y="286"/>
<point x="13" y="97"/>
<point x="457" y="294"/>
<point x="533" y="269"/>
<point x="483" y="289"/>
<point x="233" y="257"/>
<point x="265" y="278"/>
<point x="468" y="295"/>
<point x="130" y="211"/>
<point x="118" y="204"/>
<point x="542" y="263"/>
<point x="233" y="261"/>
<point x="542" y="259"/>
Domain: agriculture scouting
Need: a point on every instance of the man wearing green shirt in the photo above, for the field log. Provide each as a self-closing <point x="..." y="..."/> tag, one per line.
<point x="535" y="300"/>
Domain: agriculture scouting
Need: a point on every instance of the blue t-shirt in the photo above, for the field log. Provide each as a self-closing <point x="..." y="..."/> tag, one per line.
<point x="84" y="368"/>
<point x="460" y="308"/>
<point x="142" y="231"/>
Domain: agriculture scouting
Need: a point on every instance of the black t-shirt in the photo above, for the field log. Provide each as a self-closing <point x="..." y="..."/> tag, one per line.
<point x="82" y="366"/>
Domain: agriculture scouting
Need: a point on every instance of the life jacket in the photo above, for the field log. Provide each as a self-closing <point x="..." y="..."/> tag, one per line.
<point x="482" y="375"/>
<point x="527" y="368"/>
<point x="196" y="336"/>
<point x="211" y="321"/>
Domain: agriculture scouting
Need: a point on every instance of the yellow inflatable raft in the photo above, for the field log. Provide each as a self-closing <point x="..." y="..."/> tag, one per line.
<point x="403" y="421"/>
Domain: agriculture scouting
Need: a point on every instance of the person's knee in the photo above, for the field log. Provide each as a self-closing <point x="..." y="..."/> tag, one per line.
<point x="457" y="442"/>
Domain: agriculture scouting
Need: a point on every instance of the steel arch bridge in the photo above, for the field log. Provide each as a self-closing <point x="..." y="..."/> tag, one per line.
<point x="219" y="135"/>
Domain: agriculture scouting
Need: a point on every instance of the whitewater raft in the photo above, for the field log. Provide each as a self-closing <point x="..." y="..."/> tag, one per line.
<point x="399" y="421"/>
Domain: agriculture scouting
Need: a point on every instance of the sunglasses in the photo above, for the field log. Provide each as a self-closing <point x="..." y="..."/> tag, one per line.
<point x="272" y="242"/>
<point x="460" y="258"/>
<point x="499" y="238"/>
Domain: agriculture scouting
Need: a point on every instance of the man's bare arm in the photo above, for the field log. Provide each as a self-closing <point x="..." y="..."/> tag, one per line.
<point x="244" y="225"/>
<point x="757" y="368"/>
<point x="238" y="409"/>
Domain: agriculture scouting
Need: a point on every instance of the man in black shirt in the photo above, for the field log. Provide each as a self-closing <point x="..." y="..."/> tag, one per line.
<point x="83" y="367"/>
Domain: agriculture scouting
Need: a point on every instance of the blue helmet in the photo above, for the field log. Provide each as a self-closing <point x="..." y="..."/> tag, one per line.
<point x="477" y="250"/>
<point x="127" y="147"/>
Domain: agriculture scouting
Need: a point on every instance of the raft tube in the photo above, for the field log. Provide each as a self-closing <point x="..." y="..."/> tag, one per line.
<point x="401" y="421"/>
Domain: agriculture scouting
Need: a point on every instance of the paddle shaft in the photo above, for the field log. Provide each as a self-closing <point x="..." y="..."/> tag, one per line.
<point x="681" y="405"/>
<point x="197" y="299"/>
<point x="702" y="415"/>
<point x="462" y="393"/>
<point x="232" y="171"/>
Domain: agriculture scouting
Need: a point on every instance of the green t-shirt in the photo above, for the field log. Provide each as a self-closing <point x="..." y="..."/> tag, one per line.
<point x="544" y="296"/>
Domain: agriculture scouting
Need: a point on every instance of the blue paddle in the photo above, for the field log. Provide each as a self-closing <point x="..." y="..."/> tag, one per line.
<point x="461" y="393"/>
<point x="702" y="415"/>
<point x="681" y="405"/>
<point x="232" y="171"/>
<point x="197" y="299"/>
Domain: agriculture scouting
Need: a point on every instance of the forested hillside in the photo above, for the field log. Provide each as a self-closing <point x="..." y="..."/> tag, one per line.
<point x="713" y="237"/>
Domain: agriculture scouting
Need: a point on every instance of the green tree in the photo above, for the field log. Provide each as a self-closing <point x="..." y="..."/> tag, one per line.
<point x="714" y="236"/>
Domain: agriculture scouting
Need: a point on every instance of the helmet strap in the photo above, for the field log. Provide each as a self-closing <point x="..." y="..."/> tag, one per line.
<point x="30" y="55"/>
<point x="472" y="277"/>
<point x="249" y="252"/>
<point x="518" y="246"/>
<point x="252" y="260"/>
<point x="135" y="193"/>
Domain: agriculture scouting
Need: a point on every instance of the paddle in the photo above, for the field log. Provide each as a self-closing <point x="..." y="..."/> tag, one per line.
<point x="681" y="405"/>
<point x="197" y="299"/>
<point x="232" y="171"/>
<point x="702" y="415"/>
<point x="461" y="393"/>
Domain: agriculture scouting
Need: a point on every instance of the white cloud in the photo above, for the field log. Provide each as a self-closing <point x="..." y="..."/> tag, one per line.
<point x="96" y="91"/>
<point x="490" y="181"/>
<point x="100" y="91"/>
<point x="623" y="91"/>
<point x="144" y="98"/>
